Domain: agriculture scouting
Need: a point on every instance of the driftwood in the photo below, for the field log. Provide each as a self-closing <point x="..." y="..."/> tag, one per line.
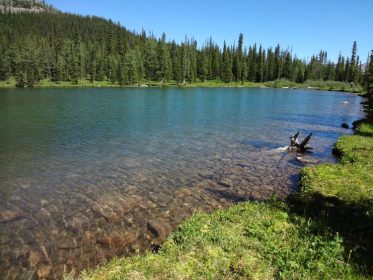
<point x="295" y="146"/>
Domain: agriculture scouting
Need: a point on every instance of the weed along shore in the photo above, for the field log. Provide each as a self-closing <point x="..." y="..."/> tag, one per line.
<point x="324" y="231"/>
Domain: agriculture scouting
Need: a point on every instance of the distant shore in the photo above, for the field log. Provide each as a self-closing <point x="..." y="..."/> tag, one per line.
<point x="314" y="85"/>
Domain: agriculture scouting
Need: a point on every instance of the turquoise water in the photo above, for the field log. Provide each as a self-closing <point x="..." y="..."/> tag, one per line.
<point x="77" y="165"/>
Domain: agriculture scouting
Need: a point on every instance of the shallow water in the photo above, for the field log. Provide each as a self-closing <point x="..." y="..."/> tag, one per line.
<point x="86" y="174"/>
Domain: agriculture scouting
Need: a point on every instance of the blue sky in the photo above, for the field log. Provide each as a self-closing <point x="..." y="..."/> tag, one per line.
<point x="305" y="26"/>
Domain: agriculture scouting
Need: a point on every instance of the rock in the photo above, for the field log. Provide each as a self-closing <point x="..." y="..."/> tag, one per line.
<point x="110" y="216"/>
<point x="226" y="182"/>
<point x="206" y="174"/>
<point x="345" y="125"/>
<point x="42" y="216"/>
<point x="34" y="258"/>
<point x="117" y="240"/>
<point x="183" y="192"/>
<point x="10" y="215"/>
<point x="103" y="240"/>
<point x="166" y="214"/>
<point x="129" y="219"/>
<point x="77" y="222"/>
<point x="105" y="212"/>
<point x="131" y="237"/>
<point x="159" y="228"/>
<point x="67" y="243"/>
<point x="44" y="271"/>
<point x="305" y="161"/>
<point x="44" y="202"/>
<point x="153" y="198"/>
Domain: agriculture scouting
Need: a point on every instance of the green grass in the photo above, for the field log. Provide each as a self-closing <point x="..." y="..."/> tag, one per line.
<point x="334" y="86"/>
<point x="246" y="241"/>
<point x="340" y="196"/>
<point x="322" y="232"/>
<point x="317" y="85"/>
<point x="11" y="83"/>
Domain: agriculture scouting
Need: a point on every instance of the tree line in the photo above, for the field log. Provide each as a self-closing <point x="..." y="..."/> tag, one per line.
<point x="65" y="47"/>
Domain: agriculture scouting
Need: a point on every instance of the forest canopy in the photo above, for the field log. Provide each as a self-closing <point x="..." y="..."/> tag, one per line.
<point x="65" y="47"/>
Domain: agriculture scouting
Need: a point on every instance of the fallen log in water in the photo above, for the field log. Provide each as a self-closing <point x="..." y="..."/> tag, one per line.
<point x="295" y="146"/>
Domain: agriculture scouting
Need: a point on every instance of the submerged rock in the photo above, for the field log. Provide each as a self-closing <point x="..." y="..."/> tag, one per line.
<point x="159" y="228"/>
<point x="34" y="258"/>
<point x="10" y="215"/>
<point x="77" y="222"/>
<point x="226" y="182"/>
<point x="67" y="243"/>
<point x="306" y="161"/>
<point x="117" y="240"/>
<point x="44" y="271"/>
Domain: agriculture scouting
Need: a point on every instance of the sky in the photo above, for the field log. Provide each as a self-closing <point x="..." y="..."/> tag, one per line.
<point x="304" y="26"/>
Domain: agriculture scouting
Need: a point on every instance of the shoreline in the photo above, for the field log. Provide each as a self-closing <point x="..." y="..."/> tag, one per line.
<point x="278" y="84"/>
<point x="319" y="231"/>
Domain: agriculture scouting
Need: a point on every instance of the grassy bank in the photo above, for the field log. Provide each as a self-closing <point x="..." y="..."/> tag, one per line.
<point x="317" y="85"/>
<point x="322" y="232"/>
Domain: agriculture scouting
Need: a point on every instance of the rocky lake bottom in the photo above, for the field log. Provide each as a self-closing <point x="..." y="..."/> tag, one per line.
<point x="73" y="197"/>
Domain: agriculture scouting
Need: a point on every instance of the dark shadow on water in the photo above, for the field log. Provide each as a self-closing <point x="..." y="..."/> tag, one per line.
<point x="294" y="179"/>
<point x="352" y="221"/>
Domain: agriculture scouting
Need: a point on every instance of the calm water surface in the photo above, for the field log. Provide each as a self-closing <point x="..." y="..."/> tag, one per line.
<point x="86" y="174"/>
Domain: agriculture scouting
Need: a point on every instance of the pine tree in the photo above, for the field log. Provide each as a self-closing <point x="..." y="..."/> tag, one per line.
<point x="260" y="66"/>
<point x="202" y="66"/>
<point x="277" y="63"/>
<point x="92" y="67"/>
<point x="287" y="69"/>
<point x="239" y="59"/>
<point x="193" y="61"/>
<point x="164" y="63"/>
<point x="252" y="64"/>
<point x="151" y="60"/>
<point x="353" y="64"/>
<point x="347" y="71"/>
<point x="4" y="66"/>
<point x="368" y="84"/>
<point x="121" y="73"/>
<point x="175" y="55"/>
<point x="227" y="64"/>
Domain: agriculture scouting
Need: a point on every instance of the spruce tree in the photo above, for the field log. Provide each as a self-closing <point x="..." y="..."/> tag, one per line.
<point x="164" y="63"/>
<point x="353" y="64"/>
<point x="239" y="59"/>
<point x="227" y="64"/>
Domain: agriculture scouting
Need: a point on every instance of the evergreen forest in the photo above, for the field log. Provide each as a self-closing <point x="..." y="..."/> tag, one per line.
<point x="59" y="47"/>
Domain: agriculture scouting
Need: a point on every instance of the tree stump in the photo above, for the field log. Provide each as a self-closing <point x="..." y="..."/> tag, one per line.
<point x="302" y="147"/>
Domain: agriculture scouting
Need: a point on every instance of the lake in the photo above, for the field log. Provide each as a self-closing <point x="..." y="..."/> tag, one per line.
<point x="87" y="174"/>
